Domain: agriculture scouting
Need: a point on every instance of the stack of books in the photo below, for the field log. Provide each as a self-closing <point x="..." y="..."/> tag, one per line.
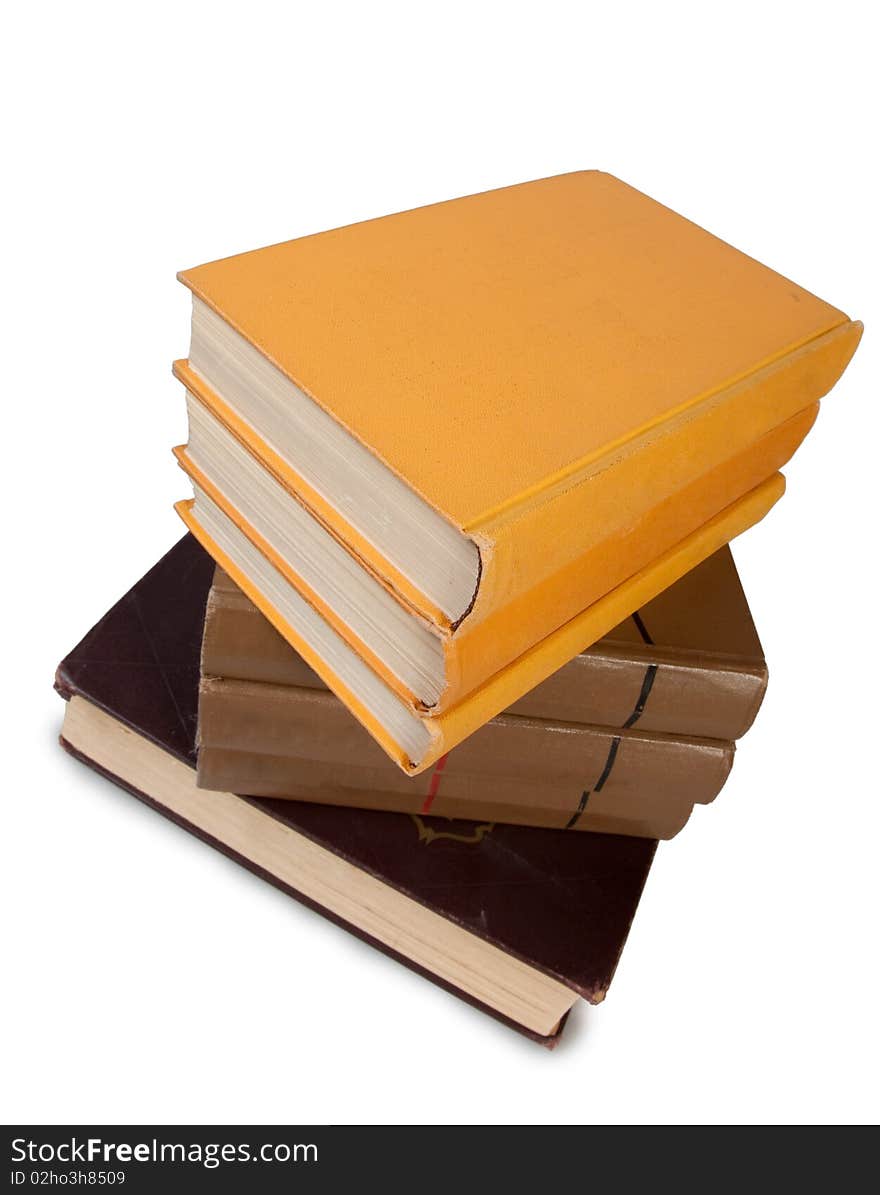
<point x="456" y="610"/>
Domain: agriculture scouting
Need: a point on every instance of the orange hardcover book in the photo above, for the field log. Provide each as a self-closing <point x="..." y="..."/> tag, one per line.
<point x="417" y="741"/>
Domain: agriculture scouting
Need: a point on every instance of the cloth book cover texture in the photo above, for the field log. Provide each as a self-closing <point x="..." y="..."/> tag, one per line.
<point x="563" y="903"/>
<point x="267" y="725"/>
<point x="571" y="378"/>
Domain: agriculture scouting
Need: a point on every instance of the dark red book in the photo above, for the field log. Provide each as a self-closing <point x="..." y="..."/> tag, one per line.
<point x="519" y="921"/>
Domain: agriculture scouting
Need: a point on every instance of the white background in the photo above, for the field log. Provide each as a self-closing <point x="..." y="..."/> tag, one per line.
<point x="148" y="979"/>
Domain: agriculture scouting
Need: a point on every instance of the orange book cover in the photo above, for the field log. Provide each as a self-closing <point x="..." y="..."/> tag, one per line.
<point x="570" y="374"/>
<point x="444" y="731"/>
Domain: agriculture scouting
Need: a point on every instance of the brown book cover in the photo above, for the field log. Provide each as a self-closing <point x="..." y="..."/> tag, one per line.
<point x="282" y="741"/>
<point x="560" y="904"/>
<point x="689" y="663"/>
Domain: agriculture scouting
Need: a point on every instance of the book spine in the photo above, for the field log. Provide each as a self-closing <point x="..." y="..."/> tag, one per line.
<point x="286" y="778"/>
<point x="652" y="689"/>
<point x="665" y="695"/>
<point x="276" y="741"/>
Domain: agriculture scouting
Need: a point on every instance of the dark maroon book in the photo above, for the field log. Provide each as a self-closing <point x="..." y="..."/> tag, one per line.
<point x="553" y="906"/>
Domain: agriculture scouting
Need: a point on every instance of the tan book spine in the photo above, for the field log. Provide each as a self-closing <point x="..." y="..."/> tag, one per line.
<point x="304" y="780"/>
<point x="280" y="741"/>
<point x="627" y="680"/>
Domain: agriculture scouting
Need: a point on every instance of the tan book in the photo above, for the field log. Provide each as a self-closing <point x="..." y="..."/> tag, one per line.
<point x="268" y="727"/>
<point x="302" y="744"/>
